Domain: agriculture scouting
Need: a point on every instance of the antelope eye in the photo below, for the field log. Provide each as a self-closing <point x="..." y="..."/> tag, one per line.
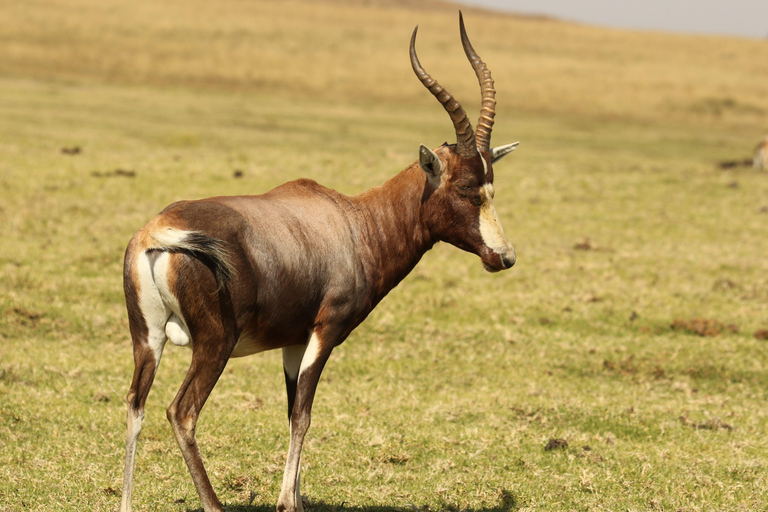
<point x="465" y="187"/>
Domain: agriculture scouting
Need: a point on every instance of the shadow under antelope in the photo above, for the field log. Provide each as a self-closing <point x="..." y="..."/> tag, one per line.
<point x="297" y="269"/>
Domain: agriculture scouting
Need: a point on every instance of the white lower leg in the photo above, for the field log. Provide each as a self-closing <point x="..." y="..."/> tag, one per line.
<point x="299" y="503"/>
<point x="291" y="479"/>
<point x="134" y="429"/>
<point x="300" y="419"/>
<point x="286" y="493"/>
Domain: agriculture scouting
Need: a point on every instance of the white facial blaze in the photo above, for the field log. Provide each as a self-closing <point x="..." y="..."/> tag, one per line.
<point x="490" y="226"/>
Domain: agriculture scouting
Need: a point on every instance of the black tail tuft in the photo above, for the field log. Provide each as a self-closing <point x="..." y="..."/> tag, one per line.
<point x="211" y="251"/>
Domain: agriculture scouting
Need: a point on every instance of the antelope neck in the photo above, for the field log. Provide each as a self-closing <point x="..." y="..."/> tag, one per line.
<point x="391" y="225"/>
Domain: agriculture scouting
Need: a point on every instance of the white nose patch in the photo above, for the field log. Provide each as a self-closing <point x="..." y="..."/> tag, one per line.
<point x="490" y="226"/>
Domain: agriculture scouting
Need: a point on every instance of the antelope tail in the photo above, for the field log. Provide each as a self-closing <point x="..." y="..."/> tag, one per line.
<point x="207" y="249"/>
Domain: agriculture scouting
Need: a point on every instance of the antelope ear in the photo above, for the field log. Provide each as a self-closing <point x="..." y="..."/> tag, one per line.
<point x="500" y="152"/>
<point x="430" y="163"/>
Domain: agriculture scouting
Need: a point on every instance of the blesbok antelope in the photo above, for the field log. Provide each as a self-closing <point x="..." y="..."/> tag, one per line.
<point x="298" y="268"/>
<point x="760" y="158"/>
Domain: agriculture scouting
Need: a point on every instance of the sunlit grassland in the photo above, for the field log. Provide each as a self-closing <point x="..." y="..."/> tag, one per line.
<point x="446" y="397"/>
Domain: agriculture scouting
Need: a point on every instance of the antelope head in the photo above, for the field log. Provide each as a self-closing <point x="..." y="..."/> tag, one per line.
<point x="461" y="175"/>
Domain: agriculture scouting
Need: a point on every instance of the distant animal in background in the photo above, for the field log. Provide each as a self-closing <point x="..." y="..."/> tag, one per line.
<point x="760" y="160"/>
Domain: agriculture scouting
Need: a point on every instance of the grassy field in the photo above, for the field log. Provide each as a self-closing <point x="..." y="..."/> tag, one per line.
<point x="626" y="328"/>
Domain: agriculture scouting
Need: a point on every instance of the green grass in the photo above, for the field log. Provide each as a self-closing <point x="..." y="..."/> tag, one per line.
<point x="445" y="398"/>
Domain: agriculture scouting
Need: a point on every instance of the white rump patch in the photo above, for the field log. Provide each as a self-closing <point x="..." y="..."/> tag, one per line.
<point x="153" y="309"/>
<point x="159" y="305"/>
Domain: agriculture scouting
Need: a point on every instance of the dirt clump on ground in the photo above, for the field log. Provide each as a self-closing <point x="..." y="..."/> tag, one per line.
<point x="556" y="444"/>
<point x="703" y="326"/>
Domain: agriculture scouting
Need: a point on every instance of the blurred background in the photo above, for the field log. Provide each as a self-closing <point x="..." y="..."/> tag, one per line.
<point x="620" y="365"/>
<point x="743" y="18"/>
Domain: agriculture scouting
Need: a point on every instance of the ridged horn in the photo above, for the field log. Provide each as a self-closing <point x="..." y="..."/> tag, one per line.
<point x="465" y="136"/>
<point x="488" y="110"/>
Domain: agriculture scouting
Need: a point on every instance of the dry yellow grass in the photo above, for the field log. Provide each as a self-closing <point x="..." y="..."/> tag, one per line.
<point x="356" y="50"/>
<point x="446" y="397"/>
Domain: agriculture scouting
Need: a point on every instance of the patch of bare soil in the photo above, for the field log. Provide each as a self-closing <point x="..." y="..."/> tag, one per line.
<point x="74" y="150"/>
<point x="584" y="245"/>
<point x="710" y="424"/>
<point x="556" y="444"/>
<point x="625" y="366"/>
<point x="125" y="173"/>
<point x="26" y="317"/>
<point x="703" y="326"/>
<point x="731" y="164"/>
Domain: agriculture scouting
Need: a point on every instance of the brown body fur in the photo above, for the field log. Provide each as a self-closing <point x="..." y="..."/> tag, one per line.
<point x="296" y="268"/>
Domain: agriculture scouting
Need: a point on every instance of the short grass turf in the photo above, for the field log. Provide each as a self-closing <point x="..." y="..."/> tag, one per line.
<point x="615" y="367"/>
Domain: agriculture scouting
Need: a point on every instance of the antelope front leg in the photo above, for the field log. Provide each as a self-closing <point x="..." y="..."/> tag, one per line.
<point x="304" y="381"/>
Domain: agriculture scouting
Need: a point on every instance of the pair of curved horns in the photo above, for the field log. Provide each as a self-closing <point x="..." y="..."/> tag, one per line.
<point x="468" y="142"/>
